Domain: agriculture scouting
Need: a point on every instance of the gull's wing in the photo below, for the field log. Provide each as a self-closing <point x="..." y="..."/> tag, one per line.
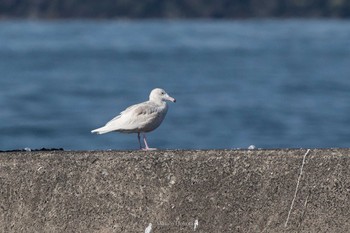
<point x="135" y="118"/>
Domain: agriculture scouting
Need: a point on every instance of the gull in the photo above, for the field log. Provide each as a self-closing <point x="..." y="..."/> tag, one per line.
<point x="140" y="118"/>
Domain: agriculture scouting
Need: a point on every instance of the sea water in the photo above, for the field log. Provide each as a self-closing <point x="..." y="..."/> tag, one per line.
<point x="267" y="83"/>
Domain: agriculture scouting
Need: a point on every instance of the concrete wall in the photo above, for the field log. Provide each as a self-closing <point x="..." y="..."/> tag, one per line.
<point x="221" y="190"/>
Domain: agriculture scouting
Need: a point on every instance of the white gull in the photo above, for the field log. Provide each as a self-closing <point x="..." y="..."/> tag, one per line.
<point x="140" y="118"/>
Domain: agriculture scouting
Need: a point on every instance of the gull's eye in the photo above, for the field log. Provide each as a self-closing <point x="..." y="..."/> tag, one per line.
<point x="162" y="93"/>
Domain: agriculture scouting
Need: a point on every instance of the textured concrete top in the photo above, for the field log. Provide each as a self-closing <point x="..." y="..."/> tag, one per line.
<point x="175" y="191"/>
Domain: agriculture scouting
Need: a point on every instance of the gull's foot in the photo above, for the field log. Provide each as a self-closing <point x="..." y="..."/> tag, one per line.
<point x="145" y="149"/>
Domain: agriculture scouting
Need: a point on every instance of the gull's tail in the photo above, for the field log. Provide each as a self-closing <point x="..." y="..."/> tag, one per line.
<point x="101" y="130"/>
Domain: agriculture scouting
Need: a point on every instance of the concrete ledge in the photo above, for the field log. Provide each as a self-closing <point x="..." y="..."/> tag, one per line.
<point x="221" y="190"/>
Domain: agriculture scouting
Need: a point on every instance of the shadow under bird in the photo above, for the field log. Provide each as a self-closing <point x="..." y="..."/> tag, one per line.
<point x="140" y="118"/>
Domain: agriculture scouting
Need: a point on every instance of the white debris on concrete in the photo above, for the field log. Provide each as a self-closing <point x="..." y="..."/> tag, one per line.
<point x="251" y="147"/>
<point x="149" y="228"/>
<point x="195" y="225"/>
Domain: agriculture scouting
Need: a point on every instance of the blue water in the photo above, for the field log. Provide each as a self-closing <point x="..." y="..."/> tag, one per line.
<point x="270" y="83"/>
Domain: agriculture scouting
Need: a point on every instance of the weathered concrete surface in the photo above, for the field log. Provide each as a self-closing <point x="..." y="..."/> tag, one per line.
<point x="225" y="190"/>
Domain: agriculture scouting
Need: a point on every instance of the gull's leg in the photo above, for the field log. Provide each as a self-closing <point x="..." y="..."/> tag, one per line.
<point x="146" y="145"/>
<point x="138" y="137"/>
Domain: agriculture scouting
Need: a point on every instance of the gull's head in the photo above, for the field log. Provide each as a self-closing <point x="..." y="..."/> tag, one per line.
<point x="159" y="94"/>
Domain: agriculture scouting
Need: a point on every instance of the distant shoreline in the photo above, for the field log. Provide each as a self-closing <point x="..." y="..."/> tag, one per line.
<point x="169" y="9"/>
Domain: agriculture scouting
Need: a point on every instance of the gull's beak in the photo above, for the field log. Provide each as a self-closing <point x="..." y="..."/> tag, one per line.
<point x="171" y="99"/>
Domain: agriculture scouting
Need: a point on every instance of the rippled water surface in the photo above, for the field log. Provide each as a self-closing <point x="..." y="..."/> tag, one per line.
<point x="237" y="83"/>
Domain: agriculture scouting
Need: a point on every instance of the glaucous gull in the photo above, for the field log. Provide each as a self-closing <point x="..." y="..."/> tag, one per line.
<point x="140" y="118"/>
